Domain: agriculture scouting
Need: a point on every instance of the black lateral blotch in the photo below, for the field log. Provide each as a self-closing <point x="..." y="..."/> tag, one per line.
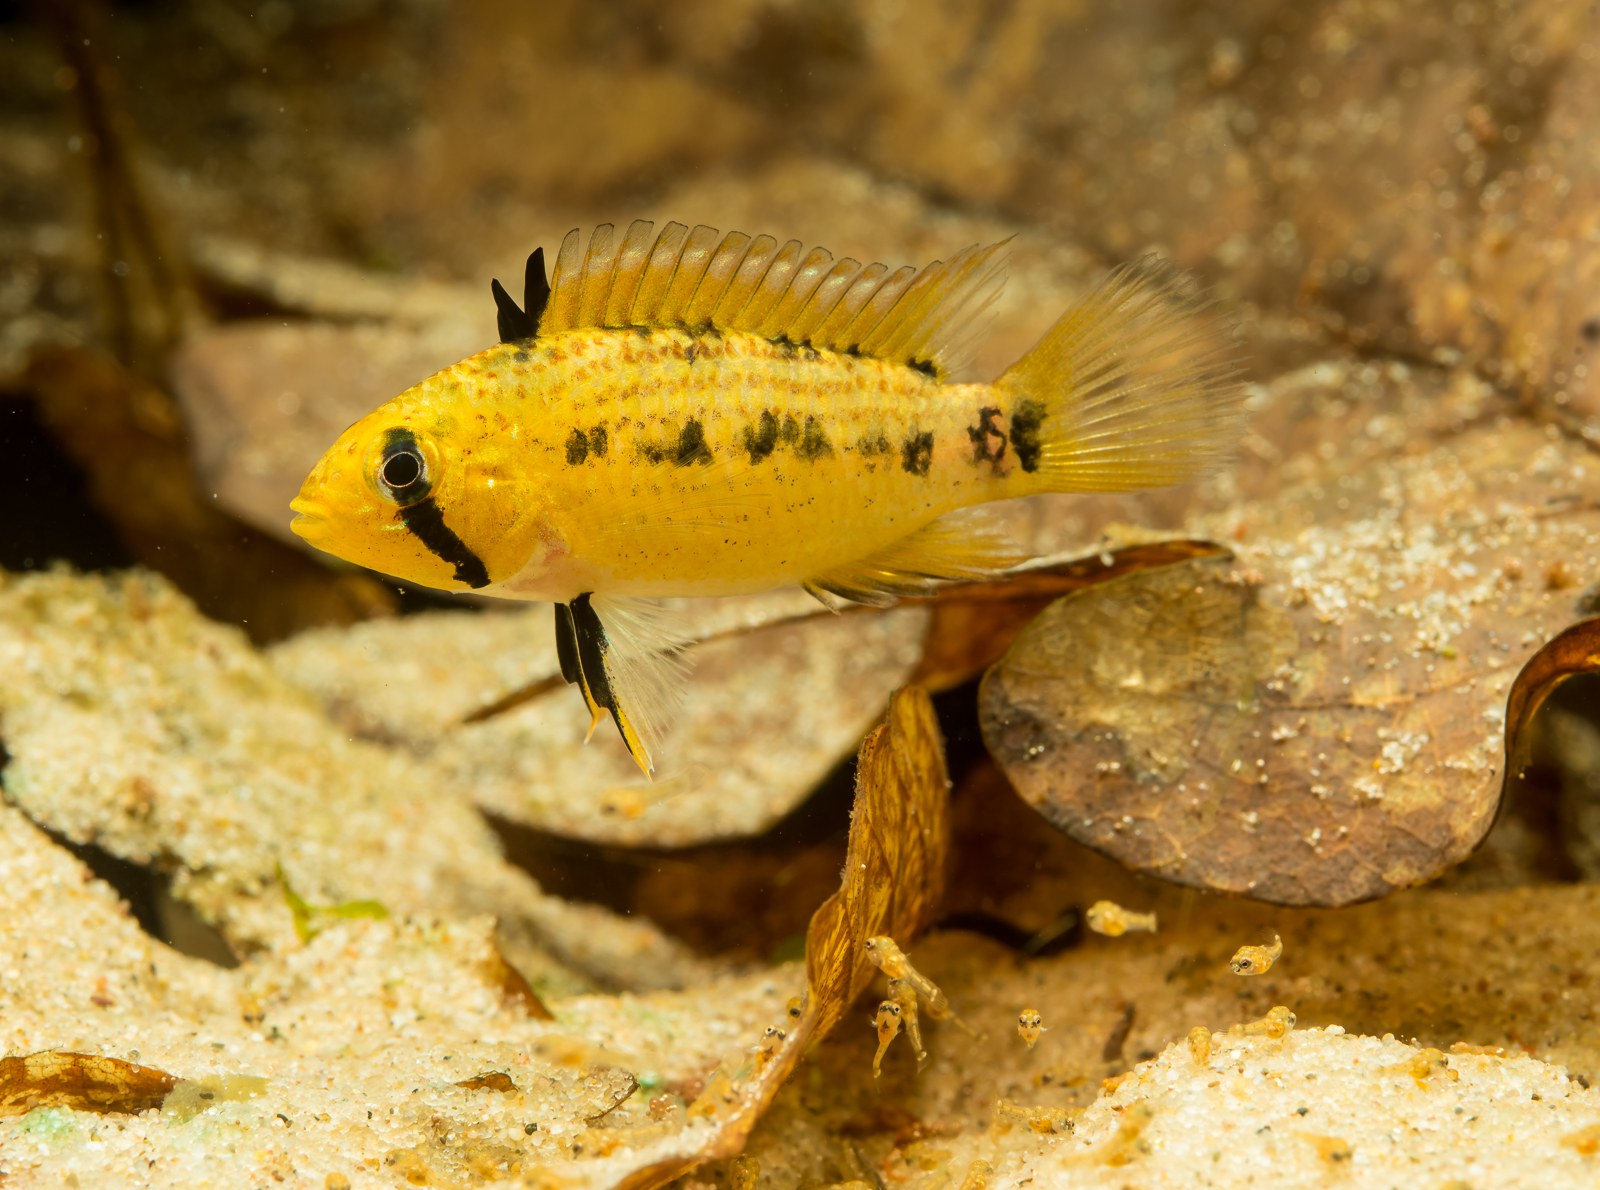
<point x="814" y="442"/>
<point x="1026" y="419"/>
<point x="916" y="455"/>
<point x="692" y="446"/>
<point x="762" y="439"/>
<point x="988" y="437"/>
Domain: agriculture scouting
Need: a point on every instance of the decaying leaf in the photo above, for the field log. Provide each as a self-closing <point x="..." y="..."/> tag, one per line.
<point x="85" y="1082"/>
<point x="973" y="624"/>
<point x="493" y="1080"/>
<point x="1572" y="652"/>
<point x="893" y="879"/>
<point x="1320" y="719"/>
<point x="894" y="868"/>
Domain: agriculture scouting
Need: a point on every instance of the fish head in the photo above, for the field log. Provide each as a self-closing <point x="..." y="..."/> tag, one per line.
<point x="426" y="491"/>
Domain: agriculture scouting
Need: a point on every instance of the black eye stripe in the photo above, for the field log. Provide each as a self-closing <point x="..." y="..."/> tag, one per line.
<point x="402" y="476"/>
<point x="426" y="522"/>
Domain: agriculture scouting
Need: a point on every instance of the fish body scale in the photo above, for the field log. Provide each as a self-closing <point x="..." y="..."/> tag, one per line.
<point x="681" y="464"/>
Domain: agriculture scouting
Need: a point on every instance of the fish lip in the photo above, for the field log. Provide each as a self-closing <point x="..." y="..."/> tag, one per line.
<point x="308" y="520"/>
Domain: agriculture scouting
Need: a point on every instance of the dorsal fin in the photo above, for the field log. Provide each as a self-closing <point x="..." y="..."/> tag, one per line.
<point x="522" y="322"/>
<point x="699" y="279"/>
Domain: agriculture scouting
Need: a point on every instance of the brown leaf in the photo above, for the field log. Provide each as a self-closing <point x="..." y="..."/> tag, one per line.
<point x="894" y="867"/>
<point x="493" y="1080"/>
<point x="1575" y="651"/>
<point x="893" y="880"/>
<point x="84" y="1082"/>
<point x="1319" y="721"/>
<point x="974" y="624"/>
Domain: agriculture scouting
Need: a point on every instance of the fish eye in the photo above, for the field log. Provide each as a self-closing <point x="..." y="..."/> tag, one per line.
<point x="402" y="472"/>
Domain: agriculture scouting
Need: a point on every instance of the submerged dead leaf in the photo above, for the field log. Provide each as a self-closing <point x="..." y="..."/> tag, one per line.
<point x="84" y="1082"/>
<point x="894" y="867"/>
<point x="974" y="624"/>
<point x="494" y="1080"/>
<point x="1322" y="719"/>
<point x="1575" y="651"/>
<point x="892" y="883"/>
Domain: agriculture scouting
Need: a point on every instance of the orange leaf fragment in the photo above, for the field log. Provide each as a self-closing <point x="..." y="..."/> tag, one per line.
<point x="892" y="883"/>
<point x="83" y="1082"/>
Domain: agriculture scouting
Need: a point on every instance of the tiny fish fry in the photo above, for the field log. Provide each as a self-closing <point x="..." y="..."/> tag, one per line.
<point x="1256" y="960"/>
<point x="687" y="413"/>
<point x="1112" y="920"/>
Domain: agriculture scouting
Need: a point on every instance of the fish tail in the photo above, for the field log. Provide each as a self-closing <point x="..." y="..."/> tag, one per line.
<point x="1135" y="387"/>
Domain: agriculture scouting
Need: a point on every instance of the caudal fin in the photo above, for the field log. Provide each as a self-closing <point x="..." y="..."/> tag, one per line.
<point x="1135" y="387"/>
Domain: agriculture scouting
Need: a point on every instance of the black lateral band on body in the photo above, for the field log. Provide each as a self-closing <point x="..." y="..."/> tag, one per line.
<point x="426" y="521"/>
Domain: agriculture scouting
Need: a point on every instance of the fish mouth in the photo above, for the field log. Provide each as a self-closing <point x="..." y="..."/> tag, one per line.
<point x="308" y="523"/>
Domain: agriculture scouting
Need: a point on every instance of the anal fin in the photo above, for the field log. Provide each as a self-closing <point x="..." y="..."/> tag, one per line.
<point x="964" y="546"/>
<point x="624" y="657"/>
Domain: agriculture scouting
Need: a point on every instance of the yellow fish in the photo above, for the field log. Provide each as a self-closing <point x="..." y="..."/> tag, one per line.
<point x="688" y="413"/>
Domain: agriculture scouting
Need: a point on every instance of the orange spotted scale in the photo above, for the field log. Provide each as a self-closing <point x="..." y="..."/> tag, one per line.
<point x="688" y="413"/>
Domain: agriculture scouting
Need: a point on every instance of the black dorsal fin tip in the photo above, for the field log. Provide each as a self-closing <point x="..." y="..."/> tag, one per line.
<point x="519" y="323"/>
<point x="535" y="289"/>
<point x="513" y="323"/>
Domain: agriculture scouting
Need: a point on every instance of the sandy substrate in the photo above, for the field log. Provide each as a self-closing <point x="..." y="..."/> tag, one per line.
<point x="1441" y="1035"/>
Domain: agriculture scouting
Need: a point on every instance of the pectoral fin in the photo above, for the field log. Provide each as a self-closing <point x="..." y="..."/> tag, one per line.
<point x="625" y="657"/>
<point x="965" y="546"/>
